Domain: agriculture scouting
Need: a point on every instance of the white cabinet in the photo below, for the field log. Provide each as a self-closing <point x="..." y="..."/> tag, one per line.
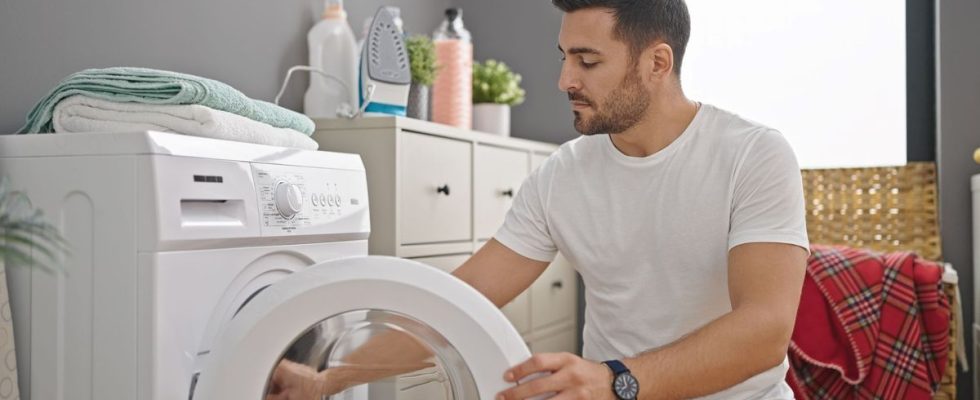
<point x="438" y="193"/>
<point x="555" y="343"/>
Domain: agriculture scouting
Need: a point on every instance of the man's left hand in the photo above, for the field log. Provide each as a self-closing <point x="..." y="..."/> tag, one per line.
<point x="571" y="377"/>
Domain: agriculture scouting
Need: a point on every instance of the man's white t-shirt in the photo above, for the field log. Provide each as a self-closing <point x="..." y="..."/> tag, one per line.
<point x="650" y="236"/>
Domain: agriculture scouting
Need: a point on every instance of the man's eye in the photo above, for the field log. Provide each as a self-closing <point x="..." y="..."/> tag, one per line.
<point x="588" y="65"/>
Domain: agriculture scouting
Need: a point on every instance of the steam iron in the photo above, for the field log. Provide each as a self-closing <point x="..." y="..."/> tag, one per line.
<point x="385" y="75"/>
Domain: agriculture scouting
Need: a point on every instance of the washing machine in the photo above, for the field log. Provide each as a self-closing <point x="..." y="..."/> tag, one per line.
<point x="198" y="268"/>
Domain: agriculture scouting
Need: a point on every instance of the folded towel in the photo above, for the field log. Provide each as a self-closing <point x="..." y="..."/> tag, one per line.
<point x="149" y="86"/>
<point x="86" y="114"/>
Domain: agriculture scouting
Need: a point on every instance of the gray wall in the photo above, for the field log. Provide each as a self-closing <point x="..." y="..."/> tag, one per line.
<point x="527" y="41"/>
<point x="959" y="134"/>
<point x="248" y="44"/>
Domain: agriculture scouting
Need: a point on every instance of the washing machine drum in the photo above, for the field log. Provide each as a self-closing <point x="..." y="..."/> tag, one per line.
<point x="363" y="328"/>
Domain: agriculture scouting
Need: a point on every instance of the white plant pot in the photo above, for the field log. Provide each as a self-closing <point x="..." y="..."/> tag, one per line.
<point x="492" y="118"/>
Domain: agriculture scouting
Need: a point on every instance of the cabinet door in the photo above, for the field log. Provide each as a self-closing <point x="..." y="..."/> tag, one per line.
<point x="518" y="311"/>
<point x="536" y="160"/>
<point x="498" y="175"/>
<point x="553" y="298"/>
<point x="563" y="341"/>
<point x="435" y="189"/>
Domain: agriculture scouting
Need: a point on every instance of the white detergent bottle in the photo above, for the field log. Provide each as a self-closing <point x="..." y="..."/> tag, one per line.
<point x="333" y="50"/>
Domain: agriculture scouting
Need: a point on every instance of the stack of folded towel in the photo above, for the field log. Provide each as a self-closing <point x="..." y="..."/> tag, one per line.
<point x="117" y="99"/>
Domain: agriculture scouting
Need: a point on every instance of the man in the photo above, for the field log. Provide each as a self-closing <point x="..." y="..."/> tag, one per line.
<point x="685" y="221"/>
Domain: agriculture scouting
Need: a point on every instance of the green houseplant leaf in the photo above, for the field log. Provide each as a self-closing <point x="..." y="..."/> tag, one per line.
<point x="25" y="234"/>
<point x="422" y="59"/>
<point x="494" y="82"/>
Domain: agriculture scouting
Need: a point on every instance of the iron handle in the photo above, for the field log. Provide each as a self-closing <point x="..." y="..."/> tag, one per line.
<point x="508" y="193"/>
<point x="557" y="285"/>
<point x="444" y="189"/>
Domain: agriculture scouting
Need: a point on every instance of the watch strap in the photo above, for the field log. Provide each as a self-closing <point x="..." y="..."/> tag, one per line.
<point x="616" y="366"/>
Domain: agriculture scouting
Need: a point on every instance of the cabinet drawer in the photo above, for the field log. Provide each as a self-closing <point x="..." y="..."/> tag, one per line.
<point x="445" y="263"/>
<point x="553" y="297"/>
<point x="518" y="312"/>
<point x="563" y="341"/>
<point x="435" y="189"/>
<point x="498" y="175"/>
<point x="536" y="160"/>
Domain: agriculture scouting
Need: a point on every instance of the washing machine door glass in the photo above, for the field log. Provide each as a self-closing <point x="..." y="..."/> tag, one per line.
<point x="371" y="354"/>
<point x="363" y="328"/>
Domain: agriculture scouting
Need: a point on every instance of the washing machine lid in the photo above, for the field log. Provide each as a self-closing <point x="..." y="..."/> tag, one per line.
<point x="324" y="316"/>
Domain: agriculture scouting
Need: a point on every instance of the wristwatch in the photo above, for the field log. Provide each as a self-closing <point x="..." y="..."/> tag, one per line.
<point x="624" y="384"/>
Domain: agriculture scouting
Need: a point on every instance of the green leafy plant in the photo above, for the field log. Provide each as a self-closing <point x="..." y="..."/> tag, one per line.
<point x="494" y="82"/>
<point x="422" y="59"/>
<point x="23" y="228"/>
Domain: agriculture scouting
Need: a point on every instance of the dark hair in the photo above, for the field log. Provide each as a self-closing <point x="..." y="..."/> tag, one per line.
<point x="641" y="22"/>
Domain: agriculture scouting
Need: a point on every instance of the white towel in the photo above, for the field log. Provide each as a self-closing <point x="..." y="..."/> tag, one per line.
<point x="86" y="114"/>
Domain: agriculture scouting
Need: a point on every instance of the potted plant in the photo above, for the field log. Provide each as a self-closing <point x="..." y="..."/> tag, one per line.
<point x="422" y="62"/>
<point x="495" y="90"/>
<point x="23" y="230"/>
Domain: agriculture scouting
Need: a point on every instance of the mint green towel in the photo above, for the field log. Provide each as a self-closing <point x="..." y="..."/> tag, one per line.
<point x="150" y="86"/>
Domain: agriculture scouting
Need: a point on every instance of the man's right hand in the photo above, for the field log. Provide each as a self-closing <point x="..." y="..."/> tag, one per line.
<point x="294" y="381"/>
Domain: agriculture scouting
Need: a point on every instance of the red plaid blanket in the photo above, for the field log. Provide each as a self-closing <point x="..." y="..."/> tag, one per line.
<point x="870" y="326"/>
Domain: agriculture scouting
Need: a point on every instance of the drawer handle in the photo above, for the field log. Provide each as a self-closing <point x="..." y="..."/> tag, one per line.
<point x="508" y="193"/>
<point x="557" y="285"/>
<point x="444" y="189"/>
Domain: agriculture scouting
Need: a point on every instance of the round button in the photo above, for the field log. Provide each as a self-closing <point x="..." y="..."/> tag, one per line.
<point x="289" y="199"/>
<point x="336" y="199"/>
<point x="323" y="199"/>
<point x="315" y="200"/>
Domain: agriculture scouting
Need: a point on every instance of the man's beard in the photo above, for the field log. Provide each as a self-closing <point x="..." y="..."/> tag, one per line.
<point x="622" y="109"/>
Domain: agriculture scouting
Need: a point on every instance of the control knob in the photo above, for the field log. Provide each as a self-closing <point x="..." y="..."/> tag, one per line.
<point x="289" y="199"/>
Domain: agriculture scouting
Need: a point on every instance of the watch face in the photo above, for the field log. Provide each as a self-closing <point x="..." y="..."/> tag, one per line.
<point x="626" y="386"/>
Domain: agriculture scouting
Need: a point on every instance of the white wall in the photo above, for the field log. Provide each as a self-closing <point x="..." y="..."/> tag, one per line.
<point x="829" y="74"/>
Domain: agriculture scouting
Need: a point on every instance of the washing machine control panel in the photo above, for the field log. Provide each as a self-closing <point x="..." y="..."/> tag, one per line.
<point x="304" y="200"/>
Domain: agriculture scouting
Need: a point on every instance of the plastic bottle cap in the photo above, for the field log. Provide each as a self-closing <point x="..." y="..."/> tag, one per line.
<point x="335" y="11"/>
<point x="453" y="13"/>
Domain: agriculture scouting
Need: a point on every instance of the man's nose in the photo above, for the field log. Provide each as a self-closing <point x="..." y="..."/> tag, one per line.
<point x="568" y="81"/>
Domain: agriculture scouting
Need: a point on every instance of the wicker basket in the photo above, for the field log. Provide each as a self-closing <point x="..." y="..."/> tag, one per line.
<point x="883" y="209"/>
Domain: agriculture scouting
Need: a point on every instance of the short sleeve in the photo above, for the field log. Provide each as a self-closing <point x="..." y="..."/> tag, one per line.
<point x="525" y="229"/>
<point x="767" y="199"/>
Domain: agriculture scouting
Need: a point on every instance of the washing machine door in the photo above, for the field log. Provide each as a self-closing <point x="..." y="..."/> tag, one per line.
<point x="366" y="328"/>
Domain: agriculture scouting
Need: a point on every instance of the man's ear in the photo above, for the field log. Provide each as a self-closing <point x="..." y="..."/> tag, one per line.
<point x="657" y="62"/>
